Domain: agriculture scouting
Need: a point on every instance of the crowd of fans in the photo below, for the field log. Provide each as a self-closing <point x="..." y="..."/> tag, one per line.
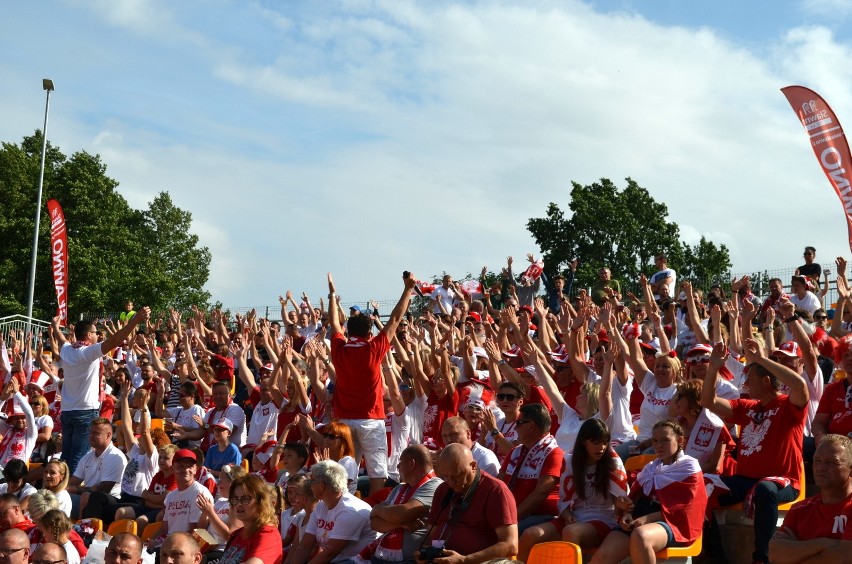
<point x="496" y="419"/>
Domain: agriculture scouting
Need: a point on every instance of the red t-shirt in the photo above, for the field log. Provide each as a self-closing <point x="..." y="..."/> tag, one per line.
<point x="834" y="404"/>
<point x="771" y="438"/>
<point x="437" y="411"/>
<point x="538" y="462"/>
<point x="474" y="527"/>
<point x="160" y="484"/>
<point x="812" y="519"/>
<point x="284" y="419"/>
<point x="358" y="362"/>
<point x="264" y="544"/>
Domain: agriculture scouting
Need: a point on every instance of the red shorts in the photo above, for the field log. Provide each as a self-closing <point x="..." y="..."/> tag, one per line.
<point x="601" y="528"/>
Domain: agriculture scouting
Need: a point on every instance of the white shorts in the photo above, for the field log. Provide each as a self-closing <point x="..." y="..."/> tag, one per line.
<point x="371" y="441"/>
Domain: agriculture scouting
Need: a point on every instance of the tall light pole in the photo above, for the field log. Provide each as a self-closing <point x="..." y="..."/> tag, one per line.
<point x="47" y="85"/>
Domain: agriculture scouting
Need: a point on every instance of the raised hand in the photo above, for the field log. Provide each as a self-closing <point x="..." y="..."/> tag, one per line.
<point x="753" y="351"/>
<point x="719" y="355"/>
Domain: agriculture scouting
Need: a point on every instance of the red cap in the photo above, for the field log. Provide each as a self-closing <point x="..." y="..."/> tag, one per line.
<point x="789" y="348"/>
<point x="185" y="453"/>
<point x="475" y="316"/>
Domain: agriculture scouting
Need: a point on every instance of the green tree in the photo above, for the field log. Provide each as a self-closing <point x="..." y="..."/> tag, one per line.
<point x="115" y="252"/>
<point x="622" y="230"/>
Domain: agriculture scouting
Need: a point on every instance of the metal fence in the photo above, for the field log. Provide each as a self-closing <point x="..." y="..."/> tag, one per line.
<point x="759" y="282"/>
<point x="17" y="326"/>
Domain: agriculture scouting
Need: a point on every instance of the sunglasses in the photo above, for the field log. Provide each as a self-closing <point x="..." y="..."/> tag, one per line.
<point x="522" y="422"/>
<point x="506" y="397"/>
<point x="820" y="317"/>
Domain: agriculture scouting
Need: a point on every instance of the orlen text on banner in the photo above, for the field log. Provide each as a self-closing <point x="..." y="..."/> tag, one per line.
<point x="828" y="141"/>
<point x="59" y="258"/>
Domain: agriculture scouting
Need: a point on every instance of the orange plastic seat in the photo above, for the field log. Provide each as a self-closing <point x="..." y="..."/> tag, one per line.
<point x="555" y="552"/>
<point x="151" y="531"/>
<point x="122" y="526"/>
<point x="637" y="462"/>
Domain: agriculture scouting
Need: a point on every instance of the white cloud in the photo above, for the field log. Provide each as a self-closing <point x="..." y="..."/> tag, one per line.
<point x="387" y="135"/>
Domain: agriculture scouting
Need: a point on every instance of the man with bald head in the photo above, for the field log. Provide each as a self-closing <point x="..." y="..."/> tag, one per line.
<point x="14" y="546"/>
<point x="49" y="553"/>
<point x="402" y="516"/>
<point x="124" y="548"/>
<point x="456" y="430"/>
<point x="180" y="548"/>
<point x="484" y="519"/>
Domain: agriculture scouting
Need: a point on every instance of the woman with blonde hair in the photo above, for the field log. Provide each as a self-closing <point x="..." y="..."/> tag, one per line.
<point x="258" y="540"/>
<point x="55" y="480"/>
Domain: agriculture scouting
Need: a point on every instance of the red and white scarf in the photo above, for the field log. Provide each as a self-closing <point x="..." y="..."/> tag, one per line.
<point x="704" y="436"/>
<point x="526" y="464"/>
<point x="389" y="546"/>
<point x="679" y="487"/>
<point x="568" y="490"/>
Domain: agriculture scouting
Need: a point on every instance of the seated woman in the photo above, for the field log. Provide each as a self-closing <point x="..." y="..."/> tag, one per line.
<point x="258" y="540"/>
<point x="587" y="510"/>
<point x="708" y="439"/>
<point x="218" y="517"/>
<point x="669" y="499"/>
<point x="302" y="503"/>
<point x="56" y="476"/>
<point x="40" y="503"/>
<point x="44" y="424"/>
<point x="15" y="474"/>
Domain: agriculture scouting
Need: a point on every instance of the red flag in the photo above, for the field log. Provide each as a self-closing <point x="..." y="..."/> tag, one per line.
<point x="59" y="258"/>
<point x="828" y="141"/>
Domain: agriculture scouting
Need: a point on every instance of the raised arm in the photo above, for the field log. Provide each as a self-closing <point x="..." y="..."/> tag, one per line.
<point x="709" y="400"/>
<point x="333" y="308"/>
<point x="398" y="313"/>
<point x="794" y="325"/>
<point x="116" y="338"/>
<point x="692" y="313"/>
<point x="543" y="375"/>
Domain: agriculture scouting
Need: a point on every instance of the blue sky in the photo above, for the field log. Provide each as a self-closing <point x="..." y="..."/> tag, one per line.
<point x="369" y="137"/>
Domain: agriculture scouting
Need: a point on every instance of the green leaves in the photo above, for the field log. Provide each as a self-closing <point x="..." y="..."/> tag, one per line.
<point x="115" y="252"/>
<point x="622" y="230"/>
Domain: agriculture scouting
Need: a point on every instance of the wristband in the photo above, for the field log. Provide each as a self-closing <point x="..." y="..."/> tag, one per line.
<point x="792" y="318"/>
<point x="501" y="362"/>
<point x="495" y="432"/>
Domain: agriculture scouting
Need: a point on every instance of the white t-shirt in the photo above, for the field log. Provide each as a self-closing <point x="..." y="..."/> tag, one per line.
<point x="569" y="426"/>
<point x="18" y="444"/>
<point x="181" y="509"/>
<point x="348" y="520"/>
<point x="184" y="417"/>
<point x="662" y="275"/>
<point x="108" y="467"/>
<point x="397" y="428"/>
<point x="485" y="459"/>
<point x="71" y="554"/>
<point x="264" y="418"/>
<point x="351" y="467"/>
<point x="64" y="502"/>
<point x="810" y="303"/>
<point x="235" y="415"/>
<point x="22" y="494"/>
<point x="222" y="508"/>
<point x="81" y="384"/>
<point x="620" y="420"/>
<point x="139" y="471"/>
<point x="416" y="409"/>
<point x="655" y="405"/>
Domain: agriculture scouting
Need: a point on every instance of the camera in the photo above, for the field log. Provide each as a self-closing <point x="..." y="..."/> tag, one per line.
<point x="430" y="553"/>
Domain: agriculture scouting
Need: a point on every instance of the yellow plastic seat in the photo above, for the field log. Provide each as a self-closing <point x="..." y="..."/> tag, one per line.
<point x="555" y="552"/>
<point x="122" y="526"/>
<point x="157" y="423"/>
<point x="693" y="549"/>
<point x="246" y="465"/>
<point x="783" y="506"/>
<point x="151" y="531"/>
<point x="637" y="462"/>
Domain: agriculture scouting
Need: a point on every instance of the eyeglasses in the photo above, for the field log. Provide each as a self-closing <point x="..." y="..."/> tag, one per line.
<point x="820" y="317"/>
<point x="245" y="500"/>
<point x="506" y="397"/>
<point x="522" y="422"/>
<point x="5" y="552"/>
<point x="330" y="436"/>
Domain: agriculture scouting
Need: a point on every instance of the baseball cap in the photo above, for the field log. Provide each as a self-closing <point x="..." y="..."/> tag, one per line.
<point x="185" y="453"/>
<point x="356" y="308"/>
<point x="789" y="348"/>
<point x="224" y="424"/>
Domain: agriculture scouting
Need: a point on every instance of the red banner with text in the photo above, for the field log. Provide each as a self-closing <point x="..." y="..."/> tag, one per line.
<point x="59" y="258"/>
<point x="828" y="142"/>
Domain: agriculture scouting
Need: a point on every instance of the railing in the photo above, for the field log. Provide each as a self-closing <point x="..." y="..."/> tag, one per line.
<point x="18" y="325"/>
